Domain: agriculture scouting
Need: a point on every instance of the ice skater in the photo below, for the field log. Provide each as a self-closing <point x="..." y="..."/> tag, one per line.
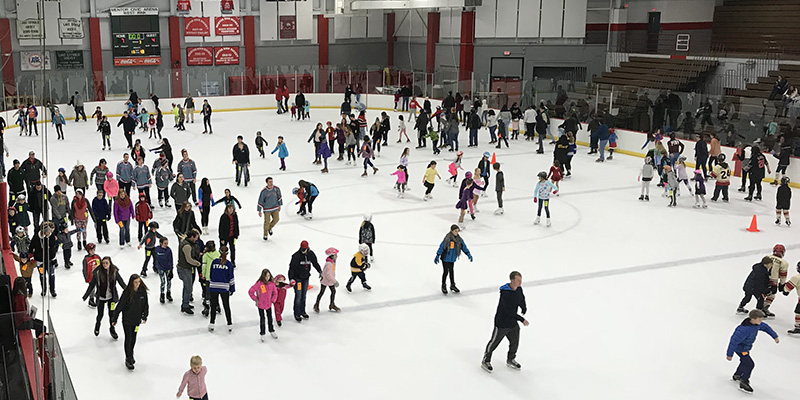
<point x="134" y="309"/>
<point x="505" y="322"/>
<point x="283" y="152"/>
<point x="264" y="293"/>
<point x="328" y="280"/>
<point x="260" y="144"/>
<point x="542" y="196"/>
<point x="448" y="252"/>
<point x="194" y="380"/>
<point x="400" y="184"/>
<point x="499" y="187"/>
<point x="428" y="180"/>
<point x="699" y="189"/>
<point x="722" y="175"/>
<point x="454" y="167"/>
<point x="756" y="285"/>
<point x="783" y="202"/>
<point x="742" y="342"/>
<point x="358" y="265"/>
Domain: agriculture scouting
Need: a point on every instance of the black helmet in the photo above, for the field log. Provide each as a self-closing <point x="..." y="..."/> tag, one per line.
<point x="153" y="224"/>
<point x="721" y="158"/>
<point x="785" y="180"/>
<point x="542" y="175"/>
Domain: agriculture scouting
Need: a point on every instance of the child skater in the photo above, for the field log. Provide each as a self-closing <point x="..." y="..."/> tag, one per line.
<point x="151" y="126"/>
<point x="541" y="195"/>
<point x="283" y="152"/>
<point x="194" y="380"/>
<point x="91" y="262"/>
<point x="260" y="144"/>
<point x="281" y="285"/>
<point x="742" y="341"/>
<point x="264" y="293"/>
<point x="163" y="260"/>
<point x="358" y="265"/>
<point x="465" y="198"/>
<point x="683" y="176"/>
<point x="294" y="112"/>
<point x="794" y="284"/>
<point x="757" y="285"/>
<point x="555" y="174"/>
<point x="722" y="176"/>
<point x="401" y="127"/>
<point x="454" y="167"/>
<point x="143" y="214"/>
<point x="150" y="239"/>
<point x="479" y="184"/>
<point x="428" y="180"/>
<point x="400" y="185"/>
<point x="699" y="189"/>
<point x="64" y="239"/>
<point x="671" y="186"/>
<point x="329" y="280"/>
<point x="366" y="234"/>
<point x="499" y="187"/>
<point x="612" y="143"/>
<point x="645" y="176"/>
<point x="98" y="115"/>
<point x="784" y="200"/>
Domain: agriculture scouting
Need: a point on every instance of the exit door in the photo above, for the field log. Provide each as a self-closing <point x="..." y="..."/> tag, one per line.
<point x="653" y="31"/>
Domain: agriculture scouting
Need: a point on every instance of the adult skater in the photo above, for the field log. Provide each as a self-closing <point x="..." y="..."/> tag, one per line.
<point x="299" y="272"/>
<point x="221" y="285"/>
<point x="269" y="206"/>
<point x="229" y="230"/>
<point x="77" y="102"/>
<point x="104" y="283"/>
<point x="104" y="127"/>
<point x="44" y="248"/>
<point x="186" y="262"/>
<point x="311" y="193"/>
<point x="134" y="309"/>
<point x="180" y="192"/>
<point x="188" y="105"/>
<point x="188" y="168"/>
<point x="505" y="322"/>
<point x="33" y="170"/>
<point x="128" y="122"/>
<point x="206" y="112"/>
<point x="449" y="251"/>
<point x="300" y="100"/>
<point x="143" y="179"/>
<point x="241" y="158"/>
<point x="165" y="149"/>
<point x="125" y="174"/>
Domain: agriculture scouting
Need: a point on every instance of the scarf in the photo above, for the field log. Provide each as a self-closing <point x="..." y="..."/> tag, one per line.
<point x="78" y="203"/>
<point x="452" y="238"/>
<point x="124" y="203"/>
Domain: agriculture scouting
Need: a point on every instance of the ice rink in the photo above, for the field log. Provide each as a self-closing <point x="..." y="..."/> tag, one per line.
<point x="626" y="299"/>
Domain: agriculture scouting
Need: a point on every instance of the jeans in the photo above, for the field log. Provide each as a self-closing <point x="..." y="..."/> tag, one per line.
<point x="309" y="203"/>
<point x="265" y="315"/>
<point x="185" y="275"/>
<point x="242" y="169"/>
<point x="405" y="103"/>
<point x="46" y="268"/>
<point x="300" y="289"/>
<point x="166" y="280"/>
<point x="454" y="141"/>
<point x="601" y="146"/>
<point x="492" y="136"/>
<point x="544" y="203"/>
<point x="207" y="124"/>
<point x="497" y="336"/>
<point x="473" y="137"/>
<point x="125" y="232"/>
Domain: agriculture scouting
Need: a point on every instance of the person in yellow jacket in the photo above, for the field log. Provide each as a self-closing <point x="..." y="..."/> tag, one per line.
<point x="794" y="284"/>
<point x="358" y="265"/>
<point x="777" y="276"/>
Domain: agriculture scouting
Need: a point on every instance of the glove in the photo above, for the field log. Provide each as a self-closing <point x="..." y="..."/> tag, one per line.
<point x="785" y="293"/>
<point x="293" y="282"/>
<point x="555" y="192"/>
<point x="781" y="286"/>
<point x="436" y="259"/>
<point x="773" y="289"/>
<point x="535" y="199"/>
<point x="470" y="257"/>
<point x="639" y="179"/>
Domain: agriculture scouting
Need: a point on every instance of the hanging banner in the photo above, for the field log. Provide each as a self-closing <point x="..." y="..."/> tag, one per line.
<point x="29" y="29"/>
<point x="69" y="59"/>
<point x="226" y="55"/>
<point x="226" y="26"/>
<point x="136" y="61"/>
<point x="226" y="6"/>
<point x="33" y="60"/>
<point x="70" y="28"/>
<point x="127" y="11"/>
<point x="200" y="56"/>
<point x="288" y="27"/>
<point x="184" y="7"/>
<point x="196" y="26"/>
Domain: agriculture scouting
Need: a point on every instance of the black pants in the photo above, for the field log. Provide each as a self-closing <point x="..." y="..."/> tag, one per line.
<point x="499" y="199"/>
<point x="755" y="185"/>
<point x="130" y="340"/>
<point x="322" y="292"/>
<point x="60" y="131"/>
<point x="359" y="275"/>
<point x="106" y="140"/>
<point x="32" y="124"/>
<point x="447" y="268"/>
<point x="47" y="271"/>
<point x="421" y="137"/>
<point x="163" y="195"/>
<point x="204" y="214"/>
<point x="429" y="186"/>
<point x="142" y="229"/>
<point x="231" y="243"/>
<point x="193" y="187"/>
<point x="265" y="315"/>
<point x="101" y="312"/>
<point x="125" y="186"/>
<point x="79" y="112"/>
<point x="309" y="203"/>
<point x="497" y="336"/>
<point x="701" y="162"/>
<point x="67" y="253"/>
<point x="226" y="304"/>
<point x="129" y="138"/>
<point x="748" y="296"/>
<point x="720" y="189"/>
<point x="148" y="254"/>
<point x="261" y="151"/>
<point x="529" y="130"/>
<point x="101" y="228"/>
<point x="502" y="138"/>
<point x="207" y="123"/>
<point x="744" y="178"/>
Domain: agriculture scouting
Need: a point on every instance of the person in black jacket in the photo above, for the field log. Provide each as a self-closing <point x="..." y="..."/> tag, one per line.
<point x="185" y="221"/>
<point x="33" y="170"/>
<point x="16" y="182"/>
<point x="299" y="272"/>
<point x="134" y="309"/>
<point x="241" y="158"/>
<point x="422" y="129"/>
<point x="756" y="285"/>
<point x="206" y="112"/>
<point x="229" y="230"/>
<point x="128" y="123"/>
<point x="43" y="249"/>
<point x="505" y="322"/>
<point x="449" y="101"/>
<point x="300" y="101"/>
<point x="104" y="281"/>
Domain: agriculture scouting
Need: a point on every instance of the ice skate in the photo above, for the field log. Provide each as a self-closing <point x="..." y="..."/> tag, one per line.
<point x="795" y="331"/>
<point x="364" y="174"/>
<point x="513" y="364"/>
<point x="230" y="328"/>
<point x="499" y="211"/>
<point x="348" y="287"/>
<point x="741" y="189"/>
<point x="161" y="299"/>
<point x="741" y="310"/>
<point x="169" y="297"/>
<point x="113" y="333"/>
<point x="205" y="230"/>
<point x="696" y="205"/>
<point x="454" y="289"/>
<point x="324" y="170"/>
<point x="788" y="223"/>
<point x="444" y="289"/>
<point x="548" y="223"/>
<point x="366" y="287"/>
<point x="705" y="205"/>
<point x="333" y="308"/>
<point x="374" y="170"/>
<point x="472" y="215"/>
<point x="778" y="222"/>
<point x="160" y="203"/>
<point x="647" y="198"/>
<point x="767" y="313"/>
<point x="537" y="220"/>
<point x="748" y="198"/>
<point x="129" y="365"/>
<point x="316" y="308"/>
<point x="758" y="197"/>
<point x="610" y="158"/>
<point x="744" y="386"/>
<point x="486" y="366"/>
<point x="641" y="198"/>
<point x="211" y="327"/>
<point x="262" y="338"/>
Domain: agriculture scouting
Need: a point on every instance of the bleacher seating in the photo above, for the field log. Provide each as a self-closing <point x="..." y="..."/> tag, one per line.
<point x="763" y="88"/>
<point x="659" y="73"/>
<point x="757" y="26"/>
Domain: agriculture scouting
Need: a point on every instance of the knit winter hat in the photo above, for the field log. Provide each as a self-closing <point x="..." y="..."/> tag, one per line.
<point x="331" y="251"/>
<point x="304" y="244"/>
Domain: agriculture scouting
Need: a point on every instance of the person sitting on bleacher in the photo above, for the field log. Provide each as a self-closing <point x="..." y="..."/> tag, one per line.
<point x="24" y="313"/>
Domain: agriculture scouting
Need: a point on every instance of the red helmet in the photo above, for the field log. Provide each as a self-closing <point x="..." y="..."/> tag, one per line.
<point x="779" y="250"/>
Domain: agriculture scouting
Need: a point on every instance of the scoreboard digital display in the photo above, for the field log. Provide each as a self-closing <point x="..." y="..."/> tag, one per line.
<point x="135" y="36"/>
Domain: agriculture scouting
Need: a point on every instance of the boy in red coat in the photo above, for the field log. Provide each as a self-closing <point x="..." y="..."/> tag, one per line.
<point x="91" y="261"/>
<point x="281" y="284"/>
<point x="143" y="214"/>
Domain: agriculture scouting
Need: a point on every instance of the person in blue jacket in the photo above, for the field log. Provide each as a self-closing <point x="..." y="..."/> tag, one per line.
<point x="742" y="341"/>
<point x="449" y="251"/>
<point x="283" y="152"/>
<point x="311" y="193"/>
<point x="601" y="136"/>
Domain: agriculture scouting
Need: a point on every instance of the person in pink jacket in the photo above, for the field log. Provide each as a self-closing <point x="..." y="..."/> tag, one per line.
<point x="264" y="293"/>
<point x="194" y="380"/>
<point x="123" y="212"/>
<point x="281" y="285"/>
<point x="111" y="186"/>
<point x="329" y="279"/>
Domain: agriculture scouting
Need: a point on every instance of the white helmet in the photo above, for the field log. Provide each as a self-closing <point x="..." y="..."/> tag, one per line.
<point x="20" y="229"/>
<point x="368" y="217"/>
<point x="363" y="248"/>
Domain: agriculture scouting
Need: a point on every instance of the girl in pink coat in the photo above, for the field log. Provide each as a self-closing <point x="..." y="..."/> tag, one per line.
<point x="329" y="280"/>
<point x="280" y="285"/>
<point x="264" y="293"/>
<point x="111" y="186"/>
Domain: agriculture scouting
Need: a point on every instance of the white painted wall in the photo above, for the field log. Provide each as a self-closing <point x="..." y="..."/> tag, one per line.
<point x="530" y="19"/>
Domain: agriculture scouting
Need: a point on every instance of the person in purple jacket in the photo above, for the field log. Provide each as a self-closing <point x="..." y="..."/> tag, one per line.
<point x="742" y="341"/>
<point x="123" y="212"/>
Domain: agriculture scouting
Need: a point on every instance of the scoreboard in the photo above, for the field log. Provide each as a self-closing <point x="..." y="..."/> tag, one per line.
<point x="135" y="36"/>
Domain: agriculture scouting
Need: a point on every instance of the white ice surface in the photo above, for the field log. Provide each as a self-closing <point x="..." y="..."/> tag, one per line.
<point x="627" y="300"/>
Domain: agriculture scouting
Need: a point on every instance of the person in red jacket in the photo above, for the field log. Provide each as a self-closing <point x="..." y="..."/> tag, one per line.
<point x="285" y="93"/>
<point x="143" y="214"/>
<point x="279" y="99"/>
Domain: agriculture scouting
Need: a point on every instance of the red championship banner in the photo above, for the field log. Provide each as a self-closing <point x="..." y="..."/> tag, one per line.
<point x="196" y="26"/>
<point x="132" y="61"/>
<point x="225" y="26"/>
<point x="226" y="55"/>
<point x="184" y="6"/>
<point x="288" y="27"/>
<point x="200" y="56"/>
<point x="226" y="6"/>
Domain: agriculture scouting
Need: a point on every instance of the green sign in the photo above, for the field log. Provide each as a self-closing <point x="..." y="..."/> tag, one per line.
<point x="70" y="59"/>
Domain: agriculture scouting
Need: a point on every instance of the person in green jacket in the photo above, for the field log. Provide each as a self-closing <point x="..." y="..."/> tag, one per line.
<point x="210" y="254"/>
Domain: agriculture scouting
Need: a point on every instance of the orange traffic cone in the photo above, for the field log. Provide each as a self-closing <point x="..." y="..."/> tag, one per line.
<point x="753" y="225"/>
<point x="494" y="159"/>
